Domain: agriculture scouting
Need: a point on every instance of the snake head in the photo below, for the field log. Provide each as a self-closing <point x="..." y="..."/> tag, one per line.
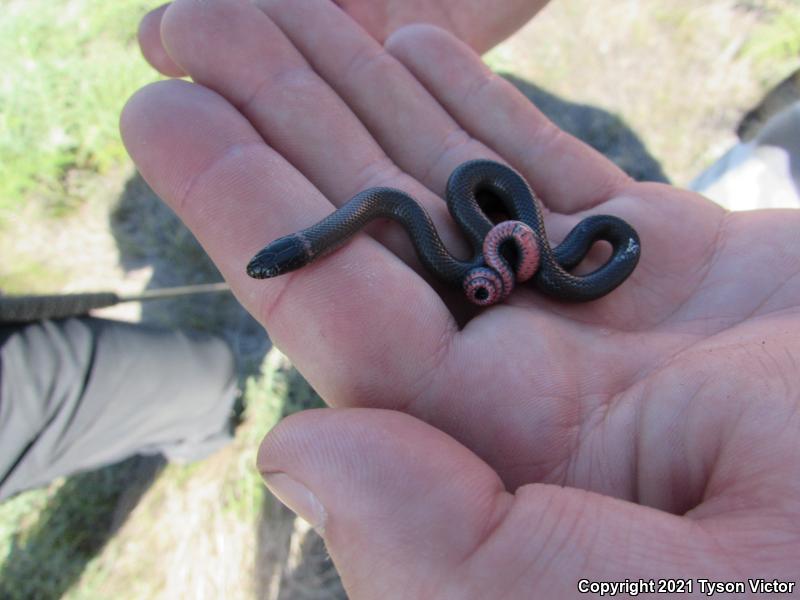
<point x="281" y="256"/>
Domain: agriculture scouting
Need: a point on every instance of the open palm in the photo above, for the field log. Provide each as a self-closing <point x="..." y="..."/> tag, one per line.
<point x="653" y="433"/>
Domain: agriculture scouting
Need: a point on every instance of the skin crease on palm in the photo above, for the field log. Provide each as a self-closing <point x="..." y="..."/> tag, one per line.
<point x="653" y="433"/>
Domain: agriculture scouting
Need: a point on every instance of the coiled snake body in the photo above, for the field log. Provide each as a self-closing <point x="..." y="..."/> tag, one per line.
<point x="512" y="251"/>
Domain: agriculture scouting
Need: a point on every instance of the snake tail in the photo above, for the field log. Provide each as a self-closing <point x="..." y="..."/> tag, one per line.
<point x="493" y="283"/>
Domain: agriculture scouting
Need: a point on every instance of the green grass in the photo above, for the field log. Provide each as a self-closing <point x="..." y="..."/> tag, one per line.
<point x="68" y="68"/>
<point x="47" y="536"/>
<point x="776" y="42"/>
<point x="28" y="276"/>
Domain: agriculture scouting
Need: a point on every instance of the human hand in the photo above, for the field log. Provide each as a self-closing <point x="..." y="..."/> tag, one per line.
<point x="469" y="20"/>
<point x="651" y="434"/>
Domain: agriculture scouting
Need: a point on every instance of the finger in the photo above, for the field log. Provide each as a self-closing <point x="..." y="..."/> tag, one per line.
<point x="408" y="123"/>
<point x="395" y="497"/>
<point x="361" y="325"/>
<point x="469" y="22"/>
<point x="151" y="46"/>
<point x="236" y="50"/>
<point x="411" y="508"/>
<point x="569" y="175"/>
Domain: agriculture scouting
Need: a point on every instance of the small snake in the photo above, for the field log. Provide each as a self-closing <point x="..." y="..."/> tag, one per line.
<point x="505" y="253"/>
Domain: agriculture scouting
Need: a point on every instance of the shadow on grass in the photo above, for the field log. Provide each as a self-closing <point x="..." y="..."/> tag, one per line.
<point x="150" y="236"/>
<point x="79" y="519"/>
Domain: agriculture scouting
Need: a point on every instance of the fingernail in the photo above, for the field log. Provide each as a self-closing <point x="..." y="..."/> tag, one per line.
<point x="298" y="498"/>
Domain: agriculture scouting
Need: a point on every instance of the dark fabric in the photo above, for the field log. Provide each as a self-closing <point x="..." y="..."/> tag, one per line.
<point x="80" y="393"/>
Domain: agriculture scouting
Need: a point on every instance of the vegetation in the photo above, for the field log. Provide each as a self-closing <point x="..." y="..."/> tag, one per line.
<point x="775" y="43"/>
<point x="68" y="68"/>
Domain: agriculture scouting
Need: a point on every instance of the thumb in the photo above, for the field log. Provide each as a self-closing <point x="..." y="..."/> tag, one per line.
<point x="407" y="512"/>
<point x="398" y="502"/>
